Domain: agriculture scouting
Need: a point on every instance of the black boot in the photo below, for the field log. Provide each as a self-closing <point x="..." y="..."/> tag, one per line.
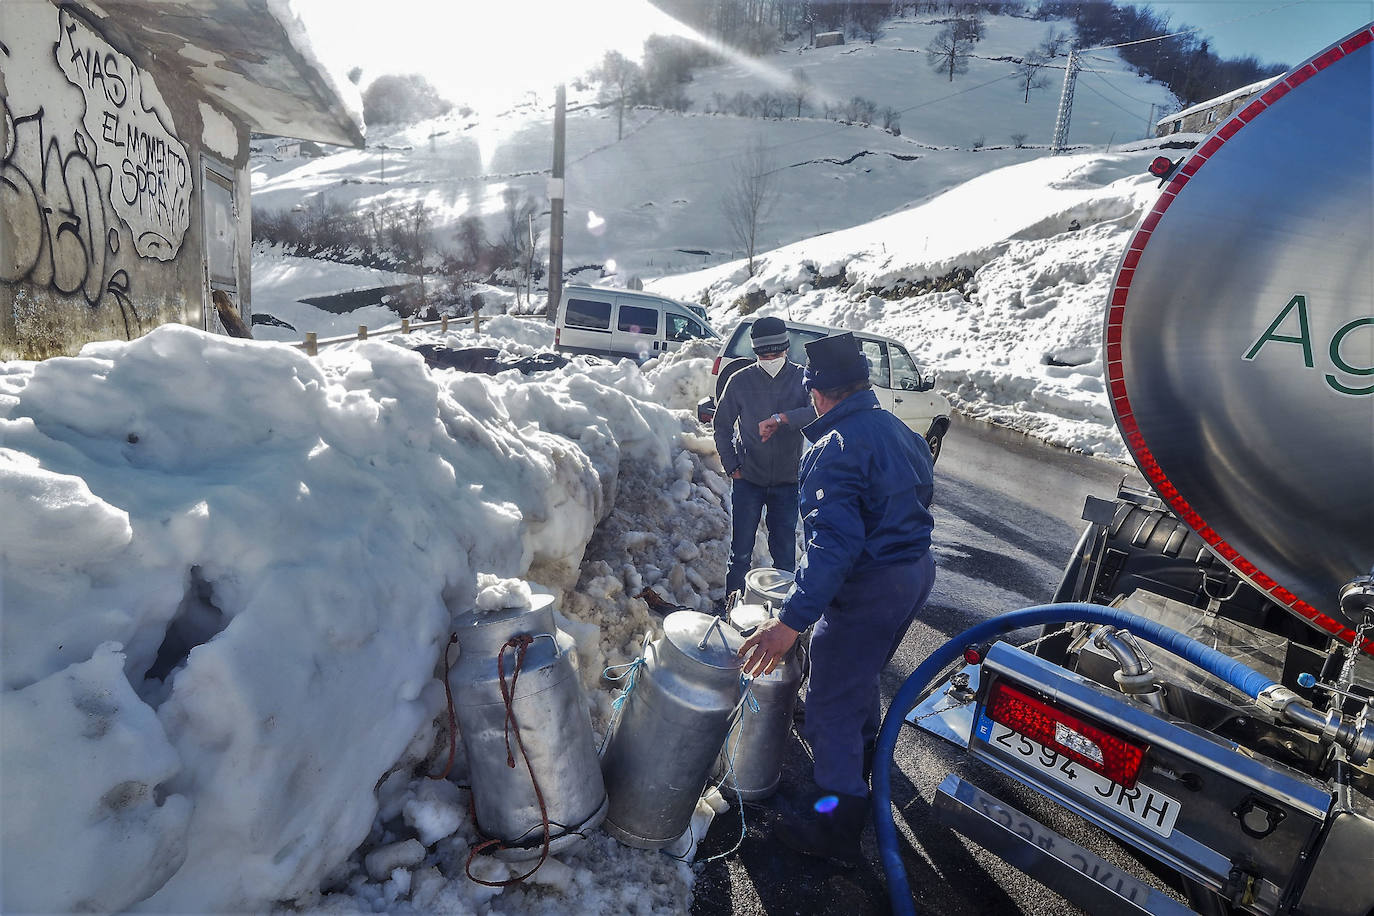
<point x="828" y="834"/>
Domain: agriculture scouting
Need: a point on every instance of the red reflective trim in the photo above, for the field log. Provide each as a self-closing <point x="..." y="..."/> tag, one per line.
<point x="1228" y="130"/>
<point x="1119" y="297"/>
<point x="1190" y="167"/>
<point x="1327" y="58"/>
<point x="1249" y="111"/>
<point x="1298" y="77"/>
<point x="1274" y="93"/>
<point x="1152" y="220"/>
<point x="1123" y="278"/>
<point x="1131" y="260"/>
<point x="1114" y="352"/>
<point x="1211" y="146"/>
<point x="1355" y="42"/>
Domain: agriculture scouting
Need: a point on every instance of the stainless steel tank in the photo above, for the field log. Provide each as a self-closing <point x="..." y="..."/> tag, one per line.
<point x="758" y="743"/>
<point x="554" y="727"/>
<point x="1239" y="340"/>
<point x="671" y="726"/>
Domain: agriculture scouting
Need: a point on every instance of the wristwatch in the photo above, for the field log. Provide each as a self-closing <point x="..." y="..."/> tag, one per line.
<point x="777" y="418"/>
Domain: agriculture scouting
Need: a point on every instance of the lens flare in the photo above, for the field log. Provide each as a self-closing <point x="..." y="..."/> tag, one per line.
<point x="826" y="803"/>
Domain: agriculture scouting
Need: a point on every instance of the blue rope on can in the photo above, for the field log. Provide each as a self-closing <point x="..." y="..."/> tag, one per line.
<point x="628" y="676"/>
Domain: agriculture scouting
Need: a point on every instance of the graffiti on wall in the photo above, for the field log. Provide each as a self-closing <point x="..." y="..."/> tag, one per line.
<point x="151" y="186"/>
<point x="62" y="232"/>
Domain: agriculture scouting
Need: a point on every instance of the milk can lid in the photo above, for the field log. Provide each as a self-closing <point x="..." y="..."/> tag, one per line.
<point x="686" y="629"/>
<point x="769" y="581"/>
<point x="480" y="617"/>
<point x="744" y="616"/>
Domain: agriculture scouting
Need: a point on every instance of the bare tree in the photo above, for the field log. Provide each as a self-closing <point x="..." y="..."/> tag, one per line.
<point x="518" y="237"/>
<point x="620" y="79"/>
<point x="1053" y="44"/>
<point x="749" y="198"/>
<point x="1028" y="75"/>
<point x="1019" y="140"/>
<point x="950" y="52"/>
<point x="799" y="90"/>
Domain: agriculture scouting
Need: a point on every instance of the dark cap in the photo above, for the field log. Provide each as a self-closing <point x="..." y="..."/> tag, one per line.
<point x="769" y="335"/>
<point x="833" y="362"/>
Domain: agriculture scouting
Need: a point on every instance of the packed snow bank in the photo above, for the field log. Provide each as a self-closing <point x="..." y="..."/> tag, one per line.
<point x="229" y="572"/>
<point x="998" y="285"/>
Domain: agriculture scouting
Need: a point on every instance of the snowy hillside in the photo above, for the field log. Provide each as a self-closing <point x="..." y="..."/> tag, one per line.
<point x="1029" y="251"/>
<point x="650" y="204"/>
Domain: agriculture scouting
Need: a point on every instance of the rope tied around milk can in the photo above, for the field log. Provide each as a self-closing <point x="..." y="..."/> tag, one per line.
<point x="627" y="676"/>
<point x="520" y="643"/>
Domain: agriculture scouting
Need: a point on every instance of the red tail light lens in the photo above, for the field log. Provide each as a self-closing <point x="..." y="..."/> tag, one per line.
<point x="1082" y="742"/>
<point x="715" y="367"/>
<point x="557" y="336"/>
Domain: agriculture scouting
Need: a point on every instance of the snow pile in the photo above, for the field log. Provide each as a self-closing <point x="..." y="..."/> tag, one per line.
<point x="998" y="286"/>
<point x="229" y="573"/>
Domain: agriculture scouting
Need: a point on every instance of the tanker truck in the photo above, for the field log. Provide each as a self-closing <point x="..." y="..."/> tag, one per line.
<point x="1199" y="686"/>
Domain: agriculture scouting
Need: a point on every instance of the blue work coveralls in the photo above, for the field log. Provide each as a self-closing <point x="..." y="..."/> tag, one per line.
<point x="865" y="491"/>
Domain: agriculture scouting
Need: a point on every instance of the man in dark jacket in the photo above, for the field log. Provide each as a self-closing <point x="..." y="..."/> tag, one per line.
<point x="758" y="435"/>
<point x="866" y="487"/>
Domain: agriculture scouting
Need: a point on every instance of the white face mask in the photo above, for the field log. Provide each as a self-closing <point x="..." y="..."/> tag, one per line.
<point x="773" y="366"/>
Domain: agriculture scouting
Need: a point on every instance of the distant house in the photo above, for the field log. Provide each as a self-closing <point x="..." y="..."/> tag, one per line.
<point x="1204" y="117"/>
<point x="125" y="131"/>
<point x="827" y="39"/>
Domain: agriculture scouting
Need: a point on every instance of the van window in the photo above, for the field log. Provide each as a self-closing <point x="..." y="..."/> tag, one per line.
<point x="585" y="313"/>
<point x="680" y="327"/>
<point x="637" y="320"/>
<point x="797" y="339"/>
<point x="876" y="353"/>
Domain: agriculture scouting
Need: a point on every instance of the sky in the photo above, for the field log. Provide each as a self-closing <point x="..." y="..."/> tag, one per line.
<point x="1272" y="30"/>
<point x="470" y="51"/>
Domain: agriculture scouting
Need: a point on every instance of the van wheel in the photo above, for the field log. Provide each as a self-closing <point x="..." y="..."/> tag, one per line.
<point x="727" y="370"/>
<point x="935" y="441"/>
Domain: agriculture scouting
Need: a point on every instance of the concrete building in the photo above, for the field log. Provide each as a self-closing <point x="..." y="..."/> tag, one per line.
<point x="124" y="186"/>
<point x="1204" y="117"/>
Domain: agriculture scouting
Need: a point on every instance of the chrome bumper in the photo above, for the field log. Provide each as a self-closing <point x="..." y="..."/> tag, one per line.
<point x="1062" y="865"/>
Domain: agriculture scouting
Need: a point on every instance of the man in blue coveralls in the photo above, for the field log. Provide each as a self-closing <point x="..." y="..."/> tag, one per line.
<point x="866" y="486"/>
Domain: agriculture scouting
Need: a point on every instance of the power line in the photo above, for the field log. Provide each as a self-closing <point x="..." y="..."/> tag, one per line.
<point x="1110" y="85"/>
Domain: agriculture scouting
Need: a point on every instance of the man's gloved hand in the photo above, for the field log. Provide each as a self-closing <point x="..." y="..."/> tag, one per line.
<point x="763" y="651"/>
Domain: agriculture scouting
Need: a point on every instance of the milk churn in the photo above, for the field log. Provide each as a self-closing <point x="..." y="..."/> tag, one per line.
<point x="545" y="729"/>
<point x="758" y="744"/>
<point x="768" y="586"/>
<point x="681" y="699"/>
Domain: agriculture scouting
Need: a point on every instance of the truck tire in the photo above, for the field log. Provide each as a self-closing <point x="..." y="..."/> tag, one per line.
<point x="935" y="437"/>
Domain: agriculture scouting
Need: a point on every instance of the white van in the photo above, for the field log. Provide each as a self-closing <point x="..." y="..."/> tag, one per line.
<point x="622" y="322"/>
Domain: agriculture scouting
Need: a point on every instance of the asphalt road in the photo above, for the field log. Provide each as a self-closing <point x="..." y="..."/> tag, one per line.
<point x="1007" y="517"/>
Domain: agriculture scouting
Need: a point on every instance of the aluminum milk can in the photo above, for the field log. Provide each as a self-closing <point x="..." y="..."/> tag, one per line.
<point x="672" y="724"/>
<point x="768" y="586"/>
<point x="758" y="743"/>
<point x="554" y="727"/>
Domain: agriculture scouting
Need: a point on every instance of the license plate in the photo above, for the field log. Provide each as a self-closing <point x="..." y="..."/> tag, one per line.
<point x="1142" y="805"/>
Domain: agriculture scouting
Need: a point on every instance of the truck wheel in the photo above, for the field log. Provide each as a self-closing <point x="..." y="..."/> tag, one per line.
<point x="935" y="441"/>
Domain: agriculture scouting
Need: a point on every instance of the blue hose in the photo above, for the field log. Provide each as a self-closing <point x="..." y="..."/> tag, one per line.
<point x="1242" y="677"/>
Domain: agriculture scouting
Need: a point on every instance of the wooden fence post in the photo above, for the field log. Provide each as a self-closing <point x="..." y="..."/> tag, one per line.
<point x="362" y="332"/>
<point x="312" y="347"/>
<point x="476" y="323"/>
<point x="443" y="323"/>
<point x="405" y="325"/>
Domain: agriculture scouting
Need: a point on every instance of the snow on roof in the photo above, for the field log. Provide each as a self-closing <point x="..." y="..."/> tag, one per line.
<point x="252" y="57"/>
<point x="1212" y="103"/>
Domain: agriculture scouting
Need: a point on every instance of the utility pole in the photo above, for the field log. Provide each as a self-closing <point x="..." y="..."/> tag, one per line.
<point x="1061" y="121"/>
<point x="1150" y="122"/>
<point x="556" y="204"/>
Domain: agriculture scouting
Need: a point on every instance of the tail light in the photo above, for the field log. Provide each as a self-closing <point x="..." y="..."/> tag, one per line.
<point x="715" y="367"/>
<point x="1086" y="744"/>
<point x="557" y="336"/>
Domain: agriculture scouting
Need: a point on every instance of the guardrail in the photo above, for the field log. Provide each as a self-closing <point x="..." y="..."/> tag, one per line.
<point x="311" y="345"/>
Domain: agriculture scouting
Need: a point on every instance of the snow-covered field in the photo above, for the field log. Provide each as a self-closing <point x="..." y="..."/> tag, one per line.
<point x="228" y="570"/>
